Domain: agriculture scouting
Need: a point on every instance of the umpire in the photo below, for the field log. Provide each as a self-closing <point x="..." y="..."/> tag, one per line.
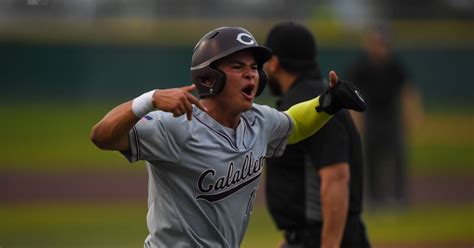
<point x="314" y="191"/>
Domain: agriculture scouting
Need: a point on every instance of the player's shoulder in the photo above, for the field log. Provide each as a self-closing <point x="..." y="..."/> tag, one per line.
<point x="264" y="113"/>
<point x="259" y="110"/>
<point x="259" y="107"/>
<point x="160" y="116"/>
<point x="166" y="120"/>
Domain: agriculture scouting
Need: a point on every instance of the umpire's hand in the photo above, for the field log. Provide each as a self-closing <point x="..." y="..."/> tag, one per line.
<point x="177" y="101"/>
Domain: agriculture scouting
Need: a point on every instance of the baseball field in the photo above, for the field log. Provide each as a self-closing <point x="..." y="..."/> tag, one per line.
<point x="58" y="190"/>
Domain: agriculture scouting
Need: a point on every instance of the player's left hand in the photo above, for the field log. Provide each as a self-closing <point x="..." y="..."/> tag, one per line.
<point x="341" y="94"/>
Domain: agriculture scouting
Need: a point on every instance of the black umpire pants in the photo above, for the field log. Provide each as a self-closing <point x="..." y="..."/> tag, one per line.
<point x="310" y="237"/>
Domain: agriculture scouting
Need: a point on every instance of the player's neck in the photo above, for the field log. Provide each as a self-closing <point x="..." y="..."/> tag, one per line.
<point x="222" y="116"/>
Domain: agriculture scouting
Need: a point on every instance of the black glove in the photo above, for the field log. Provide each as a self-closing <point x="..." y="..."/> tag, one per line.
<point x="343" y="95"/>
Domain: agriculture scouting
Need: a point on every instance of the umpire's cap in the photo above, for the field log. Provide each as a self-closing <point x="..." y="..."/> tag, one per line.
<point x="294" y="45"/>
<point x="218" y="44"/>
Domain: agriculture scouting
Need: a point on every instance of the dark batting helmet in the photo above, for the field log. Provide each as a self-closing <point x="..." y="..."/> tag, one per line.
<point x="218" y="44"/>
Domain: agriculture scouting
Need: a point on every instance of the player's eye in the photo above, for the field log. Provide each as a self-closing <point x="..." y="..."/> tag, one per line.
<point x="237" y="67"/>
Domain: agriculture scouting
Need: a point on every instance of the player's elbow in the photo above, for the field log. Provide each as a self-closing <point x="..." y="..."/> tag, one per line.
<point x="100" y="138"/>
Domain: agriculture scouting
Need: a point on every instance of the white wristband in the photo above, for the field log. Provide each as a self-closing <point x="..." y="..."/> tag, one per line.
<point x="143" y="104"/>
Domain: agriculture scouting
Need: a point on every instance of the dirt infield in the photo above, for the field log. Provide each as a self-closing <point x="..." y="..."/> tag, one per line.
<point x="84" y="186"/>
<point x="99" y="186"/>
<point x="25" y="187"/>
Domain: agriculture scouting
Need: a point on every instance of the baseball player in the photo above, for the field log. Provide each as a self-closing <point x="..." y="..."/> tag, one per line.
<point x="205" y="156"/>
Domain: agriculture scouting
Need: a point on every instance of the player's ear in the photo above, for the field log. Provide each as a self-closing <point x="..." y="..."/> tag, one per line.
<point x="272" y="64"/>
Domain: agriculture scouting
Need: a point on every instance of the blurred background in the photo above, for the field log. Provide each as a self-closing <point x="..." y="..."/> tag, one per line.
<point x="65" y="63"/>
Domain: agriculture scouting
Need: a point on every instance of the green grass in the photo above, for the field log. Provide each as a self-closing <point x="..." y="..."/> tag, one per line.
<point x="443" y="145"/>
<point x="53" y="137"/>
<point x="261" y="231"/>
<point x="82" y="225"/>
<point x="423" y="224"/>
<point x="123" y="225"/>
<point x="56" y="137"/>
<point x="442" y="159"/>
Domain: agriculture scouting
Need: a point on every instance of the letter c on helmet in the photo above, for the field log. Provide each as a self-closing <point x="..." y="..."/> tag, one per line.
<point x="249" y="42"/>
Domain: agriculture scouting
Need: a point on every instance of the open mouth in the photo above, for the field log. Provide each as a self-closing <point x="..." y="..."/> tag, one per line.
<point x="248" y="90"/>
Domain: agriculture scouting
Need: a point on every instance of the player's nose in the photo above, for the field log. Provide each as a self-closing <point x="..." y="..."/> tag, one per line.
<point x="250" y="73"/>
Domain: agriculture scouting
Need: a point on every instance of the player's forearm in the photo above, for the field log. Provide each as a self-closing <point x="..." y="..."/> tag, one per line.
<point x="306" y="121"/>
<point x="335" y="204"/>
<point x="111" y="133"/>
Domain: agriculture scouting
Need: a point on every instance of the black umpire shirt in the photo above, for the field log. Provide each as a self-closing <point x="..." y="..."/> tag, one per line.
<point x="293" y="183"/>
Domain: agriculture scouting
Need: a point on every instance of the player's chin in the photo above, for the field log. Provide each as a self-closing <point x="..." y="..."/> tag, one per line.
<point x="247" y="101"/>
<point x="245" y="106"/>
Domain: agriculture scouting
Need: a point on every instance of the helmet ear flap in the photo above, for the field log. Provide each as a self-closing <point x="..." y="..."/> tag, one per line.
<point x="262" y="82"/>
<point x="209" y="81"/>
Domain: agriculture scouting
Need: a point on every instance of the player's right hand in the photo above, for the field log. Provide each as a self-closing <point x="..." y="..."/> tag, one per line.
<point x="177" y="101"/>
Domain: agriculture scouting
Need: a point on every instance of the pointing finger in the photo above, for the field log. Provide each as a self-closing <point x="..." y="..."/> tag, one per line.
<point x="196" y="102"/>
<point x="190" y="88"/>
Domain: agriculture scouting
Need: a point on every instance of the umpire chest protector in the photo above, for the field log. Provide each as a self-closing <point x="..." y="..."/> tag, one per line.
<point x="217" y="44"/>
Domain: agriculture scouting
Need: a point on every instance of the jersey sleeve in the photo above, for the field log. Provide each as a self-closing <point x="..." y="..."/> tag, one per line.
<point x="330" y="145"/>
<point x="278" y="127"/>
<point x="157" y="137"/>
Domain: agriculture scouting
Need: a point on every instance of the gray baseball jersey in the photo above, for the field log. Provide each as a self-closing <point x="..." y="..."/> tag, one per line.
<point x="203" y="176"/>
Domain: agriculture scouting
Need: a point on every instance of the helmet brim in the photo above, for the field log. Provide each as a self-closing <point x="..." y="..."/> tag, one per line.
<point x="261" y="53"/>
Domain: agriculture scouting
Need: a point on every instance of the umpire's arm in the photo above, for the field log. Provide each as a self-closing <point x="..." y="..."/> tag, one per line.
<point x="334" y="193"/>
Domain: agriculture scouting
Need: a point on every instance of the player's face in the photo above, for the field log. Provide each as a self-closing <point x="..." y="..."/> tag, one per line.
<point x="241" y="71"/>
